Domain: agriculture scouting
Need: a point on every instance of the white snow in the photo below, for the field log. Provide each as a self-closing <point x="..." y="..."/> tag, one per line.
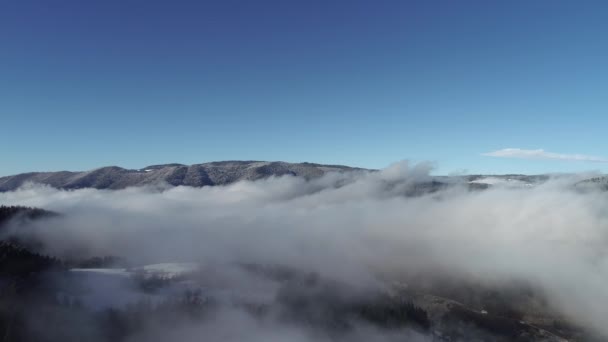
<point x="110" y="271"/>
<point x="168" y="269"/>
<point x="497" y="181"/>
<point x="102" y="288"/>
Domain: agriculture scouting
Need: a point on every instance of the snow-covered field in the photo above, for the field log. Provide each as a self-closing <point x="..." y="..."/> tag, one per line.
<point x="168" y="269"/>
<point x="101" y="288"/>
<point x="498" y="181"/>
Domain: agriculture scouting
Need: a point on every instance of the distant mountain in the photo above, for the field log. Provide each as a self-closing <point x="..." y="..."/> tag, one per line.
<point x="595" y="183"/>
<point x="214" y="173"/>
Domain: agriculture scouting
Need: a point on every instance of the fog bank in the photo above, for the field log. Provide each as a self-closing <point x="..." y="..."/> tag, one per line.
<point x="359" y="228"/>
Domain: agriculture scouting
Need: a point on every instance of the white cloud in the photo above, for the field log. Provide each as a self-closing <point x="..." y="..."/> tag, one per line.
<point x="354" y="227"/>
<point x="542" y="154"/>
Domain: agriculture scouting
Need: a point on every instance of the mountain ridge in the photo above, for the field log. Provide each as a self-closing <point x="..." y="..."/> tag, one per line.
<point x="226" y="172"/>
<point x="196" y="175"/>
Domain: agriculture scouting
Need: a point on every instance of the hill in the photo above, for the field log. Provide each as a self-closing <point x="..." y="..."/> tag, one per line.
<point x="197" y="175"/>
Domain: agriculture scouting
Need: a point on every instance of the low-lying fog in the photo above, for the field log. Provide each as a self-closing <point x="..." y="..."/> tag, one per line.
<point x="357" y="228"/>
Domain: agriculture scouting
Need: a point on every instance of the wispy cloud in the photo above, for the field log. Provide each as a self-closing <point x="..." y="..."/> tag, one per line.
<point x="542" y="154"/>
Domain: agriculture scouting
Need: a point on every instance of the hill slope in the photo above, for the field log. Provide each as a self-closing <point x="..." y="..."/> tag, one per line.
<point x="214" y="173"/>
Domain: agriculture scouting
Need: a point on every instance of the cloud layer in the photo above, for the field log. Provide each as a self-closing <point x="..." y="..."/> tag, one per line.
<point x="542" y="154"/>
<point x="358" y="228"/>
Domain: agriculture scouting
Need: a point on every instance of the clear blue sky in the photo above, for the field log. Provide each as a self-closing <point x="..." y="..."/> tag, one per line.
<point x="85" y="84"/>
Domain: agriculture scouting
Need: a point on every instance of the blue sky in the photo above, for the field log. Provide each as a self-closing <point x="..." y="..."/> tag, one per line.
<point x="85" y="84"/>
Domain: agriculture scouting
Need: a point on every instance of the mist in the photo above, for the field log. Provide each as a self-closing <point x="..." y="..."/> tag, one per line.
<point x="364" y="229"/>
